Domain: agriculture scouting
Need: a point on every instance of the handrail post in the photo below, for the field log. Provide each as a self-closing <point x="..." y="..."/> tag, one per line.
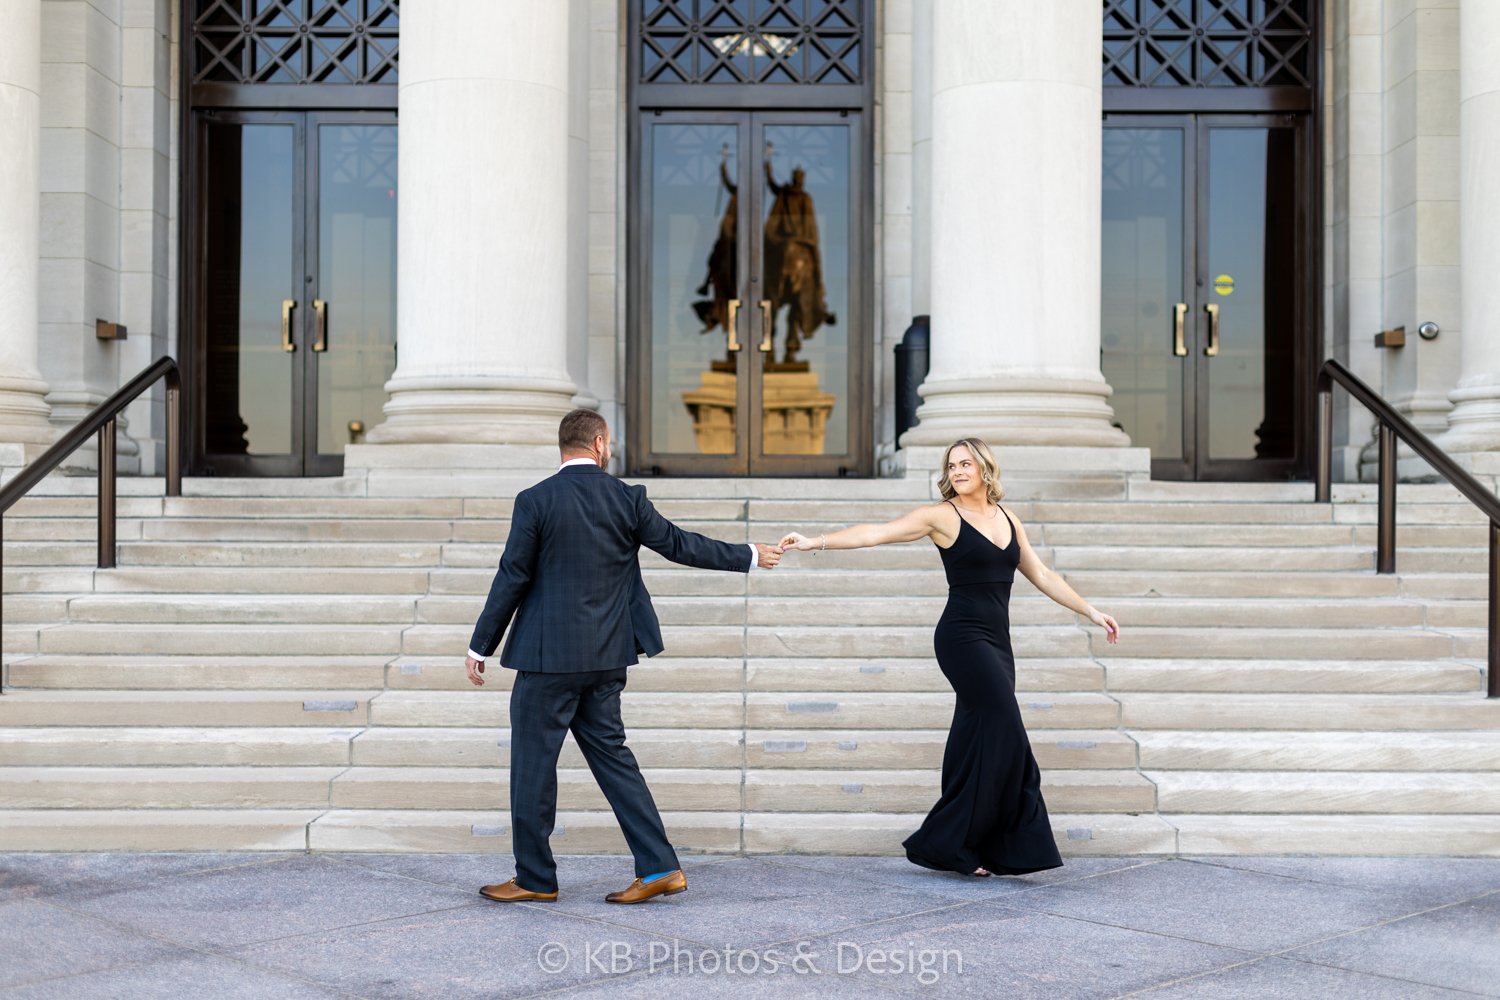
<point x="174" y="435"/>
<point x="1494" y="596"/>
<point x="1385" y="539"/>
<point x="107" y="495"/>
<point x="1325" y="447"/>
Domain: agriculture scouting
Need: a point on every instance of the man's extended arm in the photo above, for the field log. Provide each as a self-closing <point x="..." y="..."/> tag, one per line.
<point x="692" y="549"/>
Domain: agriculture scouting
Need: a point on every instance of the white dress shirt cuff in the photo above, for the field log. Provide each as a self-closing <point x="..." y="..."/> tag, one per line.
<point x="754" y="556"/>
<point x="475" y="656"/>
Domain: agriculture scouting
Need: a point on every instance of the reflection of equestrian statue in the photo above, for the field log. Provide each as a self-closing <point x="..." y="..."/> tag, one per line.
<point x="723" y="272"/>
<point x="794" y="263"/>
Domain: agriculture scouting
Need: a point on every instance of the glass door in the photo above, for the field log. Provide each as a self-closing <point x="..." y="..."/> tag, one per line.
<point x="295" y="312"/>
<point x="1148" y="268"/>
<point x="747" y="276"/>
<point x="1202" y="303"/>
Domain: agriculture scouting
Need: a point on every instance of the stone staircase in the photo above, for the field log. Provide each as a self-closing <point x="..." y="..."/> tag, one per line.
<point x="278" y="665"/>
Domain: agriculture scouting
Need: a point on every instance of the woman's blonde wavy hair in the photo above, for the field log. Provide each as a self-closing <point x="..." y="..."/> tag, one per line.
<point x="988" y="466"/>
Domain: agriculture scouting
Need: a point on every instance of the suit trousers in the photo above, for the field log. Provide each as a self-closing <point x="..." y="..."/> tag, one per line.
<point x="544" y="707"/>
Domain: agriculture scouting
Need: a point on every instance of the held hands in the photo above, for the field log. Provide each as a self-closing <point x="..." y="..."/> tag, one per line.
<point x="475" y="669"/>
<point x="796" y="540"/>
<point x="767" y="556"/>
<point x="1109" y="625"/>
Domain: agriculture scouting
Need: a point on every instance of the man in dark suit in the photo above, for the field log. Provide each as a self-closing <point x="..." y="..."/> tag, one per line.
<point x="571" y="576"/>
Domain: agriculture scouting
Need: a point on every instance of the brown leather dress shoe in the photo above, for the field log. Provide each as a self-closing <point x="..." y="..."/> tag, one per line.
<point x="509" y="892"/>
<point x="639" y="892"/>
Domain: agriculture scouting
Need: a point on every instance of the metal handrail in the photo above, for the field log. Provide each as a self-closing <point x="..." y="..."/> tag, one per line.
<point x="101" y="420"/>
<point x="1392" y="426"/>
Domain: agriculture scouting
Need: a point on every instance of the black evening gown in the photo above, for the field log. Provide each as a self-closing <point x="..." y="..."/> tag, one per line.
<point x="991" y="814"/>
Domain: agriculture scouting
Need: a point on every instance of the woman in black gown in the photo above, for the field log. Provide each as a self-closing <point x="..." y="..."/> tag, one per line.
<point x="990" y="816"/>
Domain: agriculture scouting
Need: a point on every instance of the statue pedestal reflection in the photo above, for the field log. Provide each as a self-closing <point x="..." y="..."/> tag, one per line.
<point x="712" y="406"/>
<point x="794" y="422"/>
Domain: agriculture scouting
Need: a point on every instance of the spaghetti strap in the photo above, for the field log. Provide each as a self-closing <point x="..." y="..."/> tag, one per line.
<point x="1014" y="534"/>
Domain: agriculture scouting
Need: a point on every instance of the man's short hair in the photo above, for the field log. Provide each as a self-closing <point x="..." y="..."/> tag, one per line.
<point x="578" y="430"/>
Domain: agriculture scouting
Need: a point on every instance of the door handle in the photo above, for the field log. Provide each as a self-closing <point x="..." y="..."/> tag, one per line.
<point x="320" y="312"/>
<point x="767" y="325"/>
<point x="1212" y="350"/>
<point x="287" y="305"/>
<point x="731" y="325"/>
<point x="1179" y="346"/>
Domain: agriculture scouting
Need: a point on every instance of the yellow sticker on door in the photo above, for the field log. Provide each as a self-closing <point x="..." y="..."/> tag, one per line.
<point x="1224" y="285"/>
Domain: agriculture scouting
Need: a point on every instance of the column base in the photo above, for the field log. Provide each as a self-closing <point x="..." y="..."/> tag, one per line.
<point x="1474" y="424"/>
<point x="467" y="410"/>
<point x="25" y="417"/>
<point x="1016" y="410"/>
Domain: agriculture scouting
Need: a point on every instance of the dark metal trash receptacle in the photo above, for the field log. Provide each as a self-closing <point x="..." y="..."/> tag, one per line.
<point x="911" y="368"/>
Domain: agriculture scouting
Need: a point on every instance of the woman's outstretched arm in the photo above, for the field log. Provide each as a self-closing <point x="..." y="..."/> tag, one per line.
<point x="923" y="522"/>
<point x="1054" y="586"/>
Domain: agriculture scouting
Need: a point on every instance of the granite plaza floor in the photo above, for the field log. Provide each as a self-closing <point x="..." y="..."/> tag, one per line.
<point x="295" y="925"/>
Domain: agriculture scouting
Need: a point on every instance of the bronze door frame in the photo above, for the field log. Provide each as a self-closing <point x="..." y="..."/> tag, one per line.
<point x="1197" y="411"/>
<point x="748" y="458"/>
<point x="304" y="458"/>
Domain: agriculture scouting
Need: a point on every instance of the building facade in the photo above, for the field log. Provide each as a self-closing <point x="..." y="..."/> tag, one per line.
<point x="385" y="233"/>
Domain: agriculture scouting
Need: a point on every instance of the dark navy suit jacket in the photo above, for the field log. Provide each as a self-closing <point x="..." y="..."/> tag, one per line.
<point x="571" y="574"/>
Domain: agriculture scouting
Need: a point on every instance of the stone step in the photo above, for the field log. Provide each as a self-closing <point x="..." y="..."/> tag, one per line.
<point x="191" y="672"/>
<point x="225" y="640"/>
<point x="166" y="787"/>
<point x="784" y="614"/>
<point x="1382" y="835"/>
<point x="1279" y="643"/>
<point x="1197" y="750"/>
<point x="53" y="552"/>
<point x="698" y="790"/>
<point x="833" y="710"/>
<point x="819" y="642"/>
<point x="48" y="579"/>
<point x="1387" y="712"/>
<point x="1101" y="584"/>
<point x="1072" y="522"/>
<point x="143" y="830"/>
<point x="489" y="746"/>
<point x="1469" y="559"/>
<point x="667" y="673"/>
<point x="1445" y="586"/>
<point x="875" y="833"/>
<point x="1204" y="557"/>
<point x="1270" y="675"/>
<point x="260" y="580"/>
<point x="868" y="748"/>
<point x="786" y="790"/>
<point x="160" y="746"/>
<point x="797" y="641"/>
<point x="442" y="788"/>
<point x="1037" y="610"/>
<point x="242" y="609"/>
<point x="756" y="833"/>
<point x="1070" y="710"/>
<point x="676" y="581"/>
<point x="185" y="708"/>
<point x="1080" y="749"/>
<point x="218" y="580"/>
<point x="1327" y="791"/>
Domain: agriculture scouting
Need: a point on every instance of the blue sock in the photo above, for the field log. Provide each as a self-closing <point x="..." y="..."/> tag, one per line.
<point x="653" y="878"/>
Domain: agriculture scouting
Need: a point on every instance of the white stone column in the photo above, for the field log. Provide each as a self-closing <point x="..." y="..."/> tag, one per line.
<point x="1474" y="423"/>
<point x="1016" y="106"/>
<point x="921" y="159"/>
<point x="482" y="317"/>
<point x="23" y="408"/>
